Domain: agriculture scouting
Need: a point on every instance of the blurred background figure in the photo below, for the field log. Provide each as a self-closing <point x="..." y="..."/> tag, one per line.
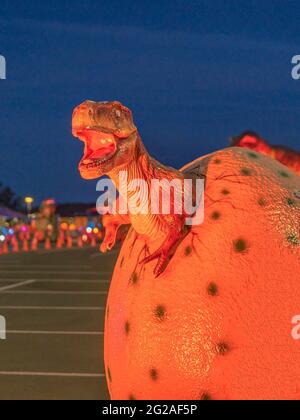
<point x="45" y="225"/>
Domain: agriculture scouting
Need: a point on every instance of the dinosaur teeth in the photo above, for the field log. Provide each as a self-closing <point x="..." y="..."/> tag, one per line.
<point x="97" y="162"/>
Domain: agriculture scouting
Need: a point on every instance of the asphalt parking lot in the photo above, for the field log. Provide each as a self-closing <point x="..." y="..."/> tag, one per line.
<point x="54" y="303"/>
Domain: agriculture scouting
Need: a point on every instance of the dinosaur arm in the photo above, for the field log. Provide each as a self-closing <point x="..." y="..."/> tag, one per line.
<point x="111" y="224"/>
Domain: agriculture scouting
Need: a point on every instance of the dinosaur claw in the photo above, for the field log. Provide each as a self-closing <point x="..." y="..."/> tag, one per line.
<point x="103" y="249"/>
<point x="157" y="273"/>
<point x="164" y="253"/>
<point x="106" y="247"/>
<point x="161" y="263"/>
<point x="149" y="258"/>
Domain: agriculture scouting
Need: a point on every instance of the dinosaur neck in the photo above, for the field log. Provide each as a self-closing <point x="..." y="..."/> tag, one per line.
<point x="143" y="168"/>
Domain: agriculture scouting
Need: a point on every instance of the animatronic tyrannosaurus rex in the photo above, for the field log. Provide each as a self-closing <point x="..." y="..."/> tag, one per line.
<point x="112" y="144"/>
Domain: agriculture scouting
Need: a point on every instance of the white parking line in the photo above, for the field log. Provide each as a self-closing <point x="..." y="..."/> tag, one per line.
<point x="13" y="286"/>
<point x="56" y="308"/>
<point x="99" y="254"/>
<point x="51" y="292"/>
<point x="96" y="333"/>
<point x="57" y="374"/>
<point x="62" y="250"/>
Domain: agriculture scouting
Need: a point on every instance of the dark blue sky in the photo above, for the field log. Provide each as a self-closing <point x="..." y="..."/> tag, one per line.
<point x="193" y="72"/>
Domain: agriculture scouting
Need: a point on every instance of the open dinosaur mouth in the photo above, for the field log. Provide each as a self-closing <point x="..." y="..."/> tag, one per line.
<point x="99" y="147"/>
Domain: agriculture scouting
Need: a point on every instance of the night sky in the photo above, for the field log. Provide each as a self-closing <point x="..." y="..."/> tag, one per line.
<point x="193" y="72"/>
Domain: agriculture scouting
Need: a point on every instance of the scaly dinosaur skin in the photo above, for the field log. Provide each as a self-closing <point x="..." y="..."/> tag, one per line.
<point x="112" y="144"/>
<point x="286" y="156"/>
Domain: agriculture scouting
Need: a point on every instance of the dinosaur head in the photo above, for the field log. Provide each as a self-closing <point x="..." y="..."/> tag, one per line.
<point x="251" y="140"/>
<point x="109" y="135"/>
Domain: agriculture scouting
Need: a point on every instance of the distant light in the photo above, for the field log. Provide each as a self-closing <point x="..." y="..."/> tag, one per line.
<point x="11" y="231"/>
<point x="96" y="230"/>
<point x="28" y="200"/>
<point x="64" y="226"/>
<point x="89" y="230"/>
<point x="84" y="238"/>
<point x="72" y="227"/>
<point x="2" y="238"/>
<point x="24" y="229"/>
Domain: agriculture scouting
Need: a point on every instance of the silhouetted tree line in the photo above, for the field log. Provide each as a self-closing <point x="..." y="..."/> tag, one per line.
<point x="9" y="199"/>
